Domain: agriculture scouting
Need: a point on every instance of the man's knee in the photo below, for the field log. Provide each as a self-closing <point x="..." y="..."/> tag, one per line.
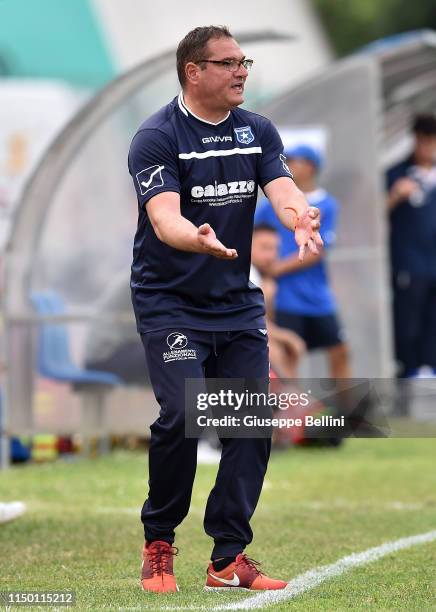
<point x="170" y="421"/>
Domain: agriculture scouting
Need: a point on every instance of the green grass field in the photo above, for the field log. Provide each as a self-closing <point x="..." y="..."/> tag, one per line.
<point x="82" y="529"/>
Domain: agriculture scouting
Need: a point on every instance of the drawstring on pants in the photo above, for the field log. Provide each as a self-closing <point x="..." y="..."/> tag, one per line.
<point x="214" y="344"/>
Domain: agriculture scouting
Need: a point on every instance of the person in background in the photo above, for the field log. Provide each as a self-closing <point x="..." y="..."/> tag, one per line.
<point x="304" y="301"/>
<point x="411" y="202"/>
<point x="112" y="344"/>
<point x="285" y="347"/>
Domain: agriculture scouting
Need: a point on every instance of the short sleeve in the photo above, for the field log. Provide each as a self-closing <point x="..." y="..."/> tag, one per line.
<point x="153" y="165"/>
<point x="395" y="173"/>
<point x="272" y="163"/>
<point x="390" y="178"/>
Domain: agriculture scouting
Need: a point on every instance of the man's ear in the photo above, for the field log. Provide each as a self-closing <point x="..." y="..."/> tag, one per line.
<point x="192" y="72"/>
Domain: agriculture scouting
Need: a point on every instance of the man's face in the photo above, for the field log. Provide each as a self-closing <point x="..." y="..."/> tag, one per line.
<point x="264" y="249"/>
<point x="302" y="169"/>
<point x="220" y="87"/>
<point x="425" y="148"/>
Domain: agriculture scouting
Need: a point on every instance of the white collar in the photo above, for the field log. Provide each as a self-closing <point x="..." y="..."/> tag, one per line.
<point x="186" y="110"/>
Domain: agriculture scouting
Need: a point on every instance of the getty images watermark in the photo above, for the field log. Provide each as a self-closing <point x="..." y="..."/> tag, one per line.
<point x="310" y="408"/>
<point x="228" y="399"/>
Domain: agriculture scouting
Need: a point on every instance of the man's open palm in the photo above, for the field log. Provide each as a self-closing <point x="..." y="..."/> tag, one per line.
<point x="211" y="245"/>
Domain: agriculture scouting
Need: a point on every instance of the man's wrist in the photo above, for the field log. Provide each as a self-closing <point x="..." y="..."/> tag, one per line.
<point x="294" y="210"/>
<point x="296" y="216"/>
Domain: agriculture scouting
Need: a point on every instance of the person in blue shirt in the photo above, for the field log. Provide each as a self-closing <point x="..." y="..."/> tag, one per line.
<point x="196" y="166"/>
<point x="411" y="186"/>
<point x="285" y="347"/>
<point x="305" y="302"/>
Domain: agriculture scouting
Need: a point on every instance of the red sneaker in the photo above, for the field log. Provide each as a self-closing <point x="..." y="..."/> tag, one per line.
<point x="243" y="573"/>
<point x="157" y="567"/>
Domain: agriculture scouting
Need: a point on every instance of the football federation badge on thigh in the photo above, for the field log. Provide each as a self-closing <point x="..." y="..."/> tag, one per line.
<point x="177" y="343"/>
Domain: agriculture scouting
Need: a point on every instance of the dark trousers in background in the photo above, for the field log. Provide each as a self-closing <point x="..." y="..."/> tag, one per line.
<point x="173" y="457"/>
<point x="414" y="322"/>
<point x="127" y="362"/>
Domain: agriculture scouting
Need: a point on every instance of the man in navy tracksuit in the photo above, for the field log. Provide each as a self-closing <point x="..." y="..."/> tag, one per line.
<point x="411" y="188"/>
<point x="196" y="166"/>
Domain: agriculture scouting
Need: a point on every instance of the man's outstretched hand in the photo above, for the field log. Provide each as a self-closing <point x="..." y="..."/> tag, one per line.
<point x="307" y="231"/>
<point x="210" y="244"/>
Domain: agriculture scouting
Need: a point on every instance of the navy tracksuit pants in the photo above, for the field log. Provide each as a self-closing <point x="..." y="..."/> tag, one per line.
<point x="173" y="457"/>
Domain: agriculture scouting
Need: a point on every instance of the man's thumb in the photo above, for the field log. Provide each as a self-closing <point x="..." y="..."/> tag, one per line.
<point x="204" y="229"/>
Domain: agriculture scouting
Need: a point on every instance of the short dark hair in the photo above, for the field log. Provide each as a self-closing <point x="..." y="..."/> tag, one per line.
<point x="193" y="47"/>
<point x="424" y="124"/>
<point x="264" y="227"/>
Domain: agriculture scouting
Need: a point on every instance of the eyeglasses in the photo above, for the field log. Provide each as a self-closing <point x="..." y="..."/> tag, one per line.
<point x="231" y="65"/>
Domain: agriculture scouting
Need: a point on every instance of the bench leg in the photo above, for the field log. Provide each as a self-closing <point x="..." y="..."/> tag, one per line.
<point x="93" y="422"/>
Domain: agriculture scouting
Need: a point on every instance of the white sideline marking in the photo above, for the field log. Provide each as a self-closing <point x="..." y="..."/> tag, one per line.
<point x="313" y="578"/>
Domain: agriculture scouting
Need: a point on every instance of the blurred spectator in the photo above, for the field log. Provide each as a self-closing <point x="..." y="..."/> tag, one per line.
<point x="285" y="347"/>
<point x="113" y="345"/>
<point x="411" y="188"/>
<point x="304" y="302"/>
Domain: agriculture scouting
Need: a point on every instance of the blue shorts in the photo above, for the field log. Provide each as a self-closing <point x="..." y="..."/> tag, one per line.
<point x="317" y="332"/>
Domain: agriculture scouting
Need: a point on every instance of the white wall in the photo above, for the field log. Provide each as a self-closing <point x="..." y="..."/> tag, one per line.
<point x="139" y="29"/>
<point x="32" y="112"/>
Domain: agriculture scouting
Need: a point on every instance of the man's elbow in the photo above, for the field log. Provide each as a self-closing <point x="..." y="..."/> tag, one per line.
<point x="158" y="224"/>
